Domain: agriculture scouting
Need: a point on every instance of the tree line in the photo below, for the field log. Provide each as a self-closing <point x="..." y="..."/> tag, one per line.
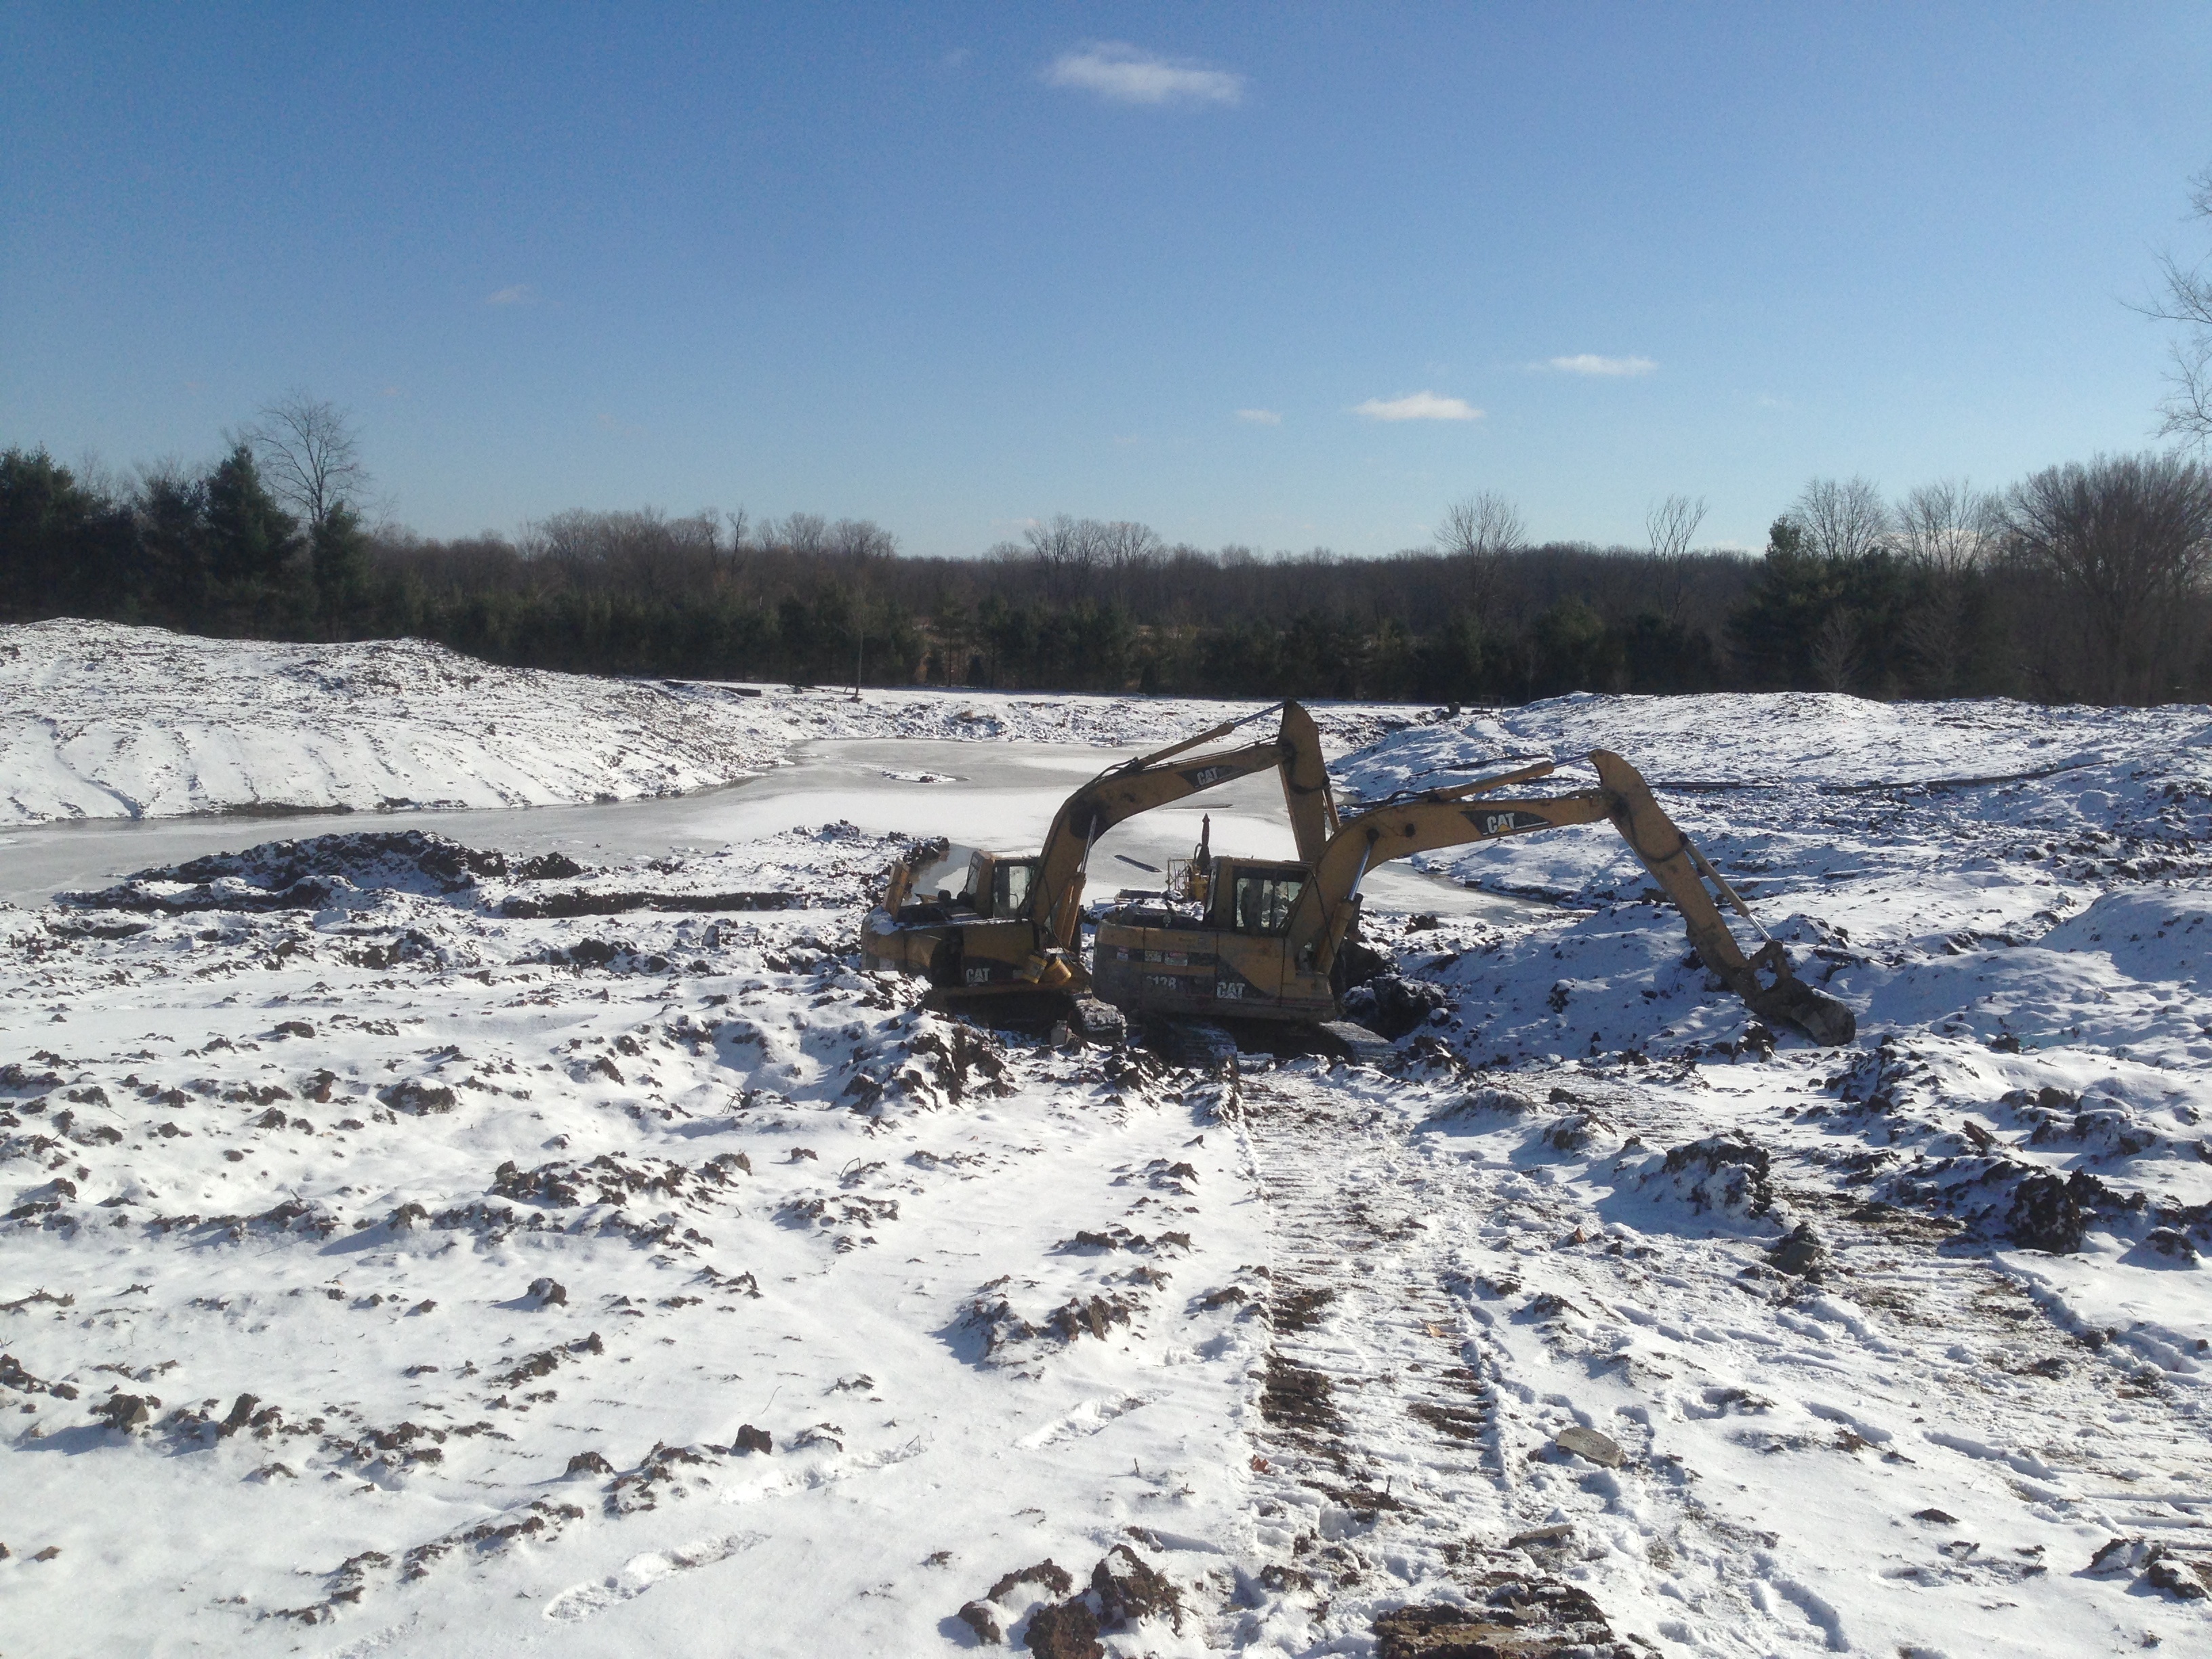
<point x="2084" y="581"/>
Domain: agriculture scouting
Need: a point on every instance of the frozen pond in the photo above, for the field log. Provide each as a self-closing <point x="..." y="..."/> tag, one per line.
<point x="999" y="795"/>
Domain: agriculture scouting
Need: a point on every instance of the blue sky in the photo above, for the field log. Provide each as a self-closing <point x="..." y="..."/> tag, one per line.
<point x="950" y="268"/>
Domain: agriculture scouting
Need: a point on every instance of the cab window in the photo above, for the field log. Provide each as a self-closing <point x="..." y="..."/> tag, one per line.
<point x="1263" y="902"/>
<point x="1010" y="888"/>
<point x="970" y="894"/>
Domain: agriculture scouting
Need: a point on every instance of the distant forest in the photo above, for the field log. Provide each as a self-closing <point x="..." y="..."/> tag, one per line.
<point x="2084" y="582"/>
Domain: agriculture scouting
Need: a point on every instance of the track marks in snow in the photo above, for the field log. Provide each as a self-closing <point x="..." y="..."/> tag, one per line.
<point x="641" y="1572"/>
<point x="1781" y="1437"/>
<point x="1087" y="1419"/>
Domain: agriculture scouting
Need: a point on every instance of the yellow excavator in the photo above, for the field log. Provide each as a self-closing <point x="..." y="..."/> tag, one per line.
<point x="984" y="927"/>
<point x="1261" y="938"/>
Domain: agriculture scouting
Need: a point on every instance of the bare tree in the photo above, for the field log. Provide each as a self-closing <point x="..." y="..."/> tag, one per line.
<point x="1068" y="550"/>
<point x="1486" y="530"/>
<point x="1836" y="652"/>
<point x="646" y="549"/>
<point x="1127" y="542"/>
<point x="804" y="533"/>
<point x="2129" y="540"/>
<point x="1483" y="526"/>
<point x="1841" y="521"/>
<point x="311" y="455"/>
<point x="1948" y="527"/>
<point x="1935" y="635"/>
<point x="1671" y="525"/>
<point x="2186" y="411"/>
<point x="862" y="540"/>
<point x="1129" y="550"/>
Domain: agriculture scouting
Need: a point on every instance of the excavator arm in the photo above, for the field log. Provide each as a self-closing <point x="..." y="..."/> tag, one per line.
<point x="1676" y="863"/>
<point x="1305" y="784"/>
<point x="1164" y="776"/>
<point x="1471" y="812"/>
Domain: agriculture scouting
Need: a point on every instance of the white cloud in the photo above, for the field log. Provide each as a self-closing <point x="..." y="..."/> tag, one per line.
<point x="1124" y="74"/>
<point x="1588" y="362"/>
<point x="1421" y="406"/>
<point x="521" y="294"/>
<point x="1260" y="416"/>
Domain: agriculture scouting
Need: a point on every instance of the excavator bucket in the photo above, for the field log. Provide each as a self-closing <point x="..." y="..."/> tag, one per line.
<point x="1678" y="868"/>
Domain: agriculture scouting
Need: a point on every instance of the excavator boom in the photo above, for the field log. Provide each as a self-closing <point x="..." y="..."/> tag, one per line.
<point x="1232" y="965"/>
<point x="1138" y="786"/>
<point x="1306" y="793"/>
<point x="1013" y="928"/>
<point x="1676" y="864"/>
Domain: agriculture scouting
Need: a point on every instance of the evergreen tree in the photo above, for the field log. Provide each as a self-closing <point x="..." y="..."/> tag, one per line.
<point x="340" y="552"/>
<point x="173" y="543"/>
<point x="250" y="538"/>
<point x="62" y="547"/>
<point x="1792" y="596"/>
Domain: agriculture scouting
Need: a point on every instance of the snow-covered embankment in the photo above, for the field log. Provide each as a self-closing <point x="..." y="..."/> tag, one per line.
<point x="101" y="721"/>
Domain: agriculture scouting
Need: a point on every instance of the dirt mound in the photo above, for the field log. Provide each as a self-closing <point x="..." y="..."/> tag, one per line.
<point x="301" y="875"/>
<point x="1722" y="1175"/>
<point x="1391" y="1006"/>
<point x="1530" y="1618"/>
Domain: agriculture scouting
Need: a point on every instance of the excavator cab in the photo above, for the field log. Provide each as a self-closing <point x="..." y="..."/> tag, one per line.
<point x="948" y="881"/>
<point x="982" y="925"/>
<point x="1257" y="898"/>
<point x="1009" y="881"/>
<point x="1225" y="956"/>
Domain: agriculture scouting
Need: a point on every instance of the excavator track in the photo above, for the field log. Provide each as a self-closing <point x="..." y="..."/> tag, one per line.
<point x="1099" y="1022"/>
<point x="1347" y="1039"/>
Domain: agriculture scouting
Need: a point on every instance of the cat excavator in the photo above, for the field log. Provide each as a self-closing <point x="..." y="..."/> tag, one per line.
<point x="1261" y="940"/>
<point x="986" y="927"/>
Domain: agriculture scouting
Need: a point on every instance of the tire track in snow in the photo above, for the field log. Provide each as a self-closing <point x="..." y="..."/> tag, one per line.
<point x="1905" y="1451"/>
<point x="1404" y="1455"/>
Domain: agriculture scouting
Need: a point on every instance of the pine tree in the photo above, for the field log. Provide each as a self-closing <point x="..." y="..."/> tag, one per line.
<point x="250" y="538"/>
<point x="340" y="553"/>
<point x="62" y="546"/>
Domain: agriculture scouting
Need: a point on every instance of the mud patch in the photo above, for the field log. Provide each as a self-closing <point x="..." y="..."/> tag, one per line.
<point x="1508" y="1617"/>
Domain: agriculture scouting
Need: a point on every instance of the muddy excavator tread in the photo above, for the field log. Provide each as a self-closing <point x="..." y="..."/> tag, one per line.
<point x="1098" y="1022"/>
<point x="1347" y="1039"/>
<point x="1200" y="1045"/>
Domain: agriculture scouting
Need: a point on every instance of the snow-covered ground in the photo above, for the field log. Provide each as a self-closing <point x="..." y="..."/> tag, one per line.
<point x="101" y="721"/>
<point x="406" y="1250"/>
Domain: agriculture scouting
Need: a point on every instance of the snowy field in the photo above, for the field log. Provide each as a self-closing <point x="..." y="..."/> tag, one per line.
<point x="98" y="720"/>
<point x="420" y="1244"/>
